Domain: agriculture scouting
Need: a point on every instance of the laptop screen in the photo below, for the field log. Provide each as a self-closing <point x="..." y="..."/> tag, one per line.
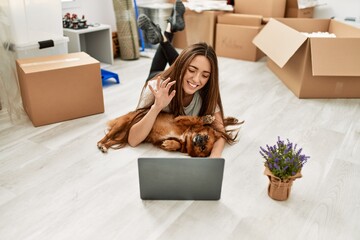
<point x="180" y="178"/>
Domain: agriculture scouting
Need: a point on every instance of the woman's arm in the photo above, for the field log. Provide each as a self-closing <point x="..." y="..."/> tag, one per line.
<point x="139" y="131"/>
<point x="220" y="143"/>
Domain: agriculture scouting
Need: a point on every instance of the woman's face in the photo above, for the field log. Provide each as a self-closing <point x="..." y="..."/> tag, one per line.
<point x="197" y="75"/>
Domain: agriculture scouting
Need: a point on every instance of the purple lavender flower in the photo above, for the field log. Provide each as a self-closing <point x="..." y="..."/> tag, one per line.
<point x="283" y="160"/>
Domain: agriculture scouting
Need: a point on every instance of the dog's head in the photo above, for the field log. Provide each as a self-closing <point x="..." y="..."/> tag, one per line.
<point x="200" y="141"/>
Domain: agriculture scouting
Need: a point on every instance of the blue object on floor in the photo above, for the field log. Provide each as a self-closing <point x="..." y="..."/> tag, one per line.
<point x="105" y="74"/>
<point x="142" y="41"/>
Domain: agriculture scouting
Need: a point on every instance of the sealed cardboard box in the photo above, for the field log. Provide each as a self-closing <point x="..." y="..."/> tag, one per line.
<point x="199" y="27"/>
<point x="313" y="67"/>
<point x="265" y="8"/>
<point x="296" y="10"/>
<point x="301" y="4"/>
<point x="60" y="87"/>
<point x="299" y="13"/>
<point x="234" y="36"/>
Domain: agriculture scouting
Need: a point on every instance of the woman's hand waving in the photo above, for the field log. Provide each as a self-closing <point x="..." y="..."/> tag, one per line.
<point x="161" y="93"/>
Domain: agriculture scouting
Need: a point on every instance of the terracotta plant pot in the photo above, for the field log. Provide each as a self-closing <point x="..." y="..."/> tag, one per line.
<point x="279" y="189"/>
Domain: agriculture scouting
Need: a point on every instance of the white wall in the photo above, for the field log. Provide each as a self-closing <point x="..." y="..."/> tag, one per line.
<point x="101" y="11"/>
<point x="338" y="8"/>
<point x="95" y="11"/>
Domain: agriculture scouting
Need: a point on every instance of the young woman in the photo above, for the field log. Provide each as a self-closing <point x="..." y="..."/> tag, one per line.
<point x="190" y="86"/>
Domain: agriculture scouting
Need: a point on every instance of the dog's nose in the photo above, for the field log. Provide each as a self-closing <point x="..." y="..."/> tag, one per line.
<point x="200" y="139"/>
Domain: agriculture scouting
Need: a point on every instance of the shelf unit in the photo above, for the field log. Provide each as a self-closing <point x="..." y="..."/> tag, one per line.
<point x="94" y="40"/>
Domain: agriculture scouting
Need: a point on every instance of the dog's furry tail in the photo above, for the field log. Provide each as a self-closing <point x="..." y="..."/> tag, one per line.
<point x="231" y="121"/>
<point x="231" y="134"/>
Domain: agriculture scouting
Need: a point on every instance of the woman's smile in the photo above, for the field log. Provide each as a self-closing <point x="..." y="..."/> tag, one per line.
<point x="192" y="85"/>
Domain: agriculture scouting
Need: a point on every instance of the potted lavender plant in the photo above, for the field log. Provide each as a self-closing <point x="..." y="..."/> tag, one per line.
<point x="283" y="164"/>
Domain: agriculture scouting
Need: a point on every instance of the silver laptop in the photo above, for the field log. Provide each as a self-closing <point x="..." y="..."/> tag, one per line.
<point x="180" y="178"/>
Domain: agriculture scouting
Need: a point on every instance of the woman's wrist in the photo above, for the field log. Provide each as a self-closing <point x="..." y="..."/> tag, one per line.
<point x="155" y="108"/>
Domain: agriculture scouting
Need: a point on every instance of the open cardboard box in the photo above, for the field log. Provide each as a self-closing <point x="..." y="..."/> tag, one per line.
<point x="313" y="67"/>
<point x="60" y="87"/>
<point x="234" y="35"/>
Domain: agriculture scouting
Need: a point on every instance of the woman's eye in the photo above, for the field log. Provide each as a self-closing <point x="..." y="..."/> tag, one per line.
<point x="191" y="70"/>
<point x="206" y="76"/>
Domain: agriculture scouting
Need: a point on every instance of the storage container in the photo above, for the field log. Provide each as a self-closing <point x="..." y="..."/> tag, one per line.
<point x="35" y="20"/>
<point x="36" y="28"/>
<point x="33" y="49"/>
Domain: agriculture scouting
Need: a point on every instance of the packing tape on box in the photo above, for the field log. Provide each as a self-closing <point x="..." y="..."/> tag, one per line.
<point x="50" y="62"/>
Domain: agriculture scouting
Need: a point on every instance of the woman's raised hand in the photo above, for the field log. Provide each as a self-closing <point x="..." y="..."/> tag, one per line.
<point x="161" y="93"/>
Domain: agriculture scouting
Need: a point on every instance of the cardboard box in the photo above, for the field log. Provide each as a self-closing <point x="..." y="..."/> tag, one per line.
<point x="301" y="4"/>
<point x="199" y="27"/>
<point x="313" y="67"/>
<point x="179" y="40"/>
<point x="293" y="10"/>
<point x="265" y="8"/>
<point x="61" y="87"/>
<point x="234" y="36"/>
<point x="299" y="13"/>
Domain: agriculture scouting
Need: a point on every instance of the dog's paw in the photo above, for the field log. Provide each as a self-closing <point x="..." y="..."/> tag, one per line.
<point x="103" y="149"/>
<point x="170" y="145"/>
<point x="208" y="119"/>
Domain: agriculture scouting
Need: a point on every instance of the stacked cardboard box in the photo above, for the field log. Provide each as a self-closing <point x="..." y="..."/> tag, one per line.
<point x="235" y="32"/>
<point x="203" y="27"/>
<point x="313" y="67"/>
<point x="199" y="27"/>
<point x="61" y="87"/>
<point x="265" y="8"/>
<point x="234" y="35"/>
<point x="293" y="10"/>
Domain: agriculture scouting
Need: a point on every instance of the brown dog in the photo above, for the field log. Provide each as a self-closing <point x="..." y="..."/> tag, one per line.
<point x="188" y="134"/>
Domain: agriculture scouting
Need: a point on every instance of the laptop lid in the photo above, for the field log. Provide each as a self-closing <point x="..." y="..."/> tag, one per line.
<point x="180" y="178"/>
